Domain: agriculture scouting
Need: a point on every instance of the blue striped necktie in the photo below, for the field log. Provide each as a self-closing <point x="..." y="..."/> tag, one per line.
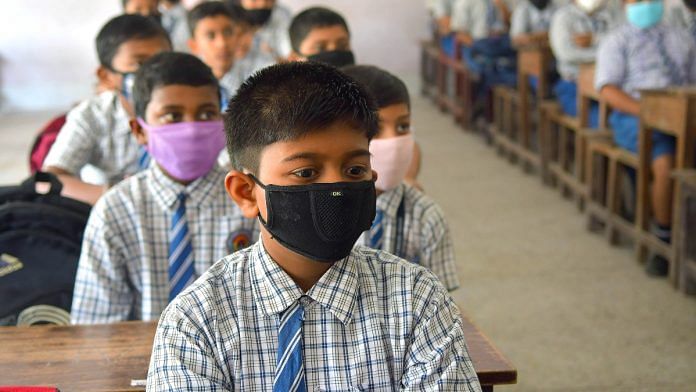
<point x="290" y="374"/>
<point x="181" y="270"/>
<point x="377" y="231"/>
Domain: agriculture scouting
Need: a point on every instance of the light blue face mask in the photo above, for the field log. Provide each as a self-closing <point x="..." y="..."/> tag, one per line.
<point x="645" y="14"/>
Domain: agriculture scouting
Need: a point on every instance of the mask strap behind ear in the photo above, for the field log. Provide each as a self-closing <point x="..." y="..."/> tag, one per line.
<point x="256" y="180"/>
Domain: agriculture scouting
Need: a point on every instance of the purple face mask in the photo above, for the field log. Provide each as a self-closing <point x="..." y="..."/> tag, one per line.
<point x="186" y="150"/>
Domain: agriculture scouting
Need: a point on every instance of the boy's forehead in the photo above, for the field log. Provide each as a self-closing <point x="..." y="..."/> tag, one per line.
<point x="182" y="94"/>
<point x="327" y="33"/>
<point x="214" y="22"/>
<point x="139" y="49"/>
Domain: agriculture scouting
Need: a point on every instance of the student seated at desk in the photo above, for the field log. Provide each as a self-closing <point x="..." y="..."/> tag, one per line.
<point x="96" y="132"/>
<point x="151" y="235"/>
<point x="645" y="54"/>
<point x="576" y="30"/>
<point x="683" y="15"/>
<point x="482" y="27"/>
<point x="441" y="14"/>
<point x="530" y="21"/>
<point x="321" y="34"/>
<point x="408" y="223"/>
<point x="269" y="22"/>
<point x="303" y="309"/>
<point x="142" y="7"/>
<point x="217" y="36"/>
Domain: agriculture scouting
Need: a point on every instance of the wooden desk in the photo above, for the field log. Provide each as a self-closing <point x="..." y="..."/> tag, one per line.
<point x="671" y="111"/>
<point x="108" y="357"/>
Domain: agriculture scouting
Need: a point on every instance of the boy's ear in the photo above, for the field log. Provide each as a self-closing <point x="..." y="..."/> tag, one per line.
<point x="240" y="187"/>
<point x="138" y="132"/>
<point x="105" y="79"/>
<point x="374" y="175"/>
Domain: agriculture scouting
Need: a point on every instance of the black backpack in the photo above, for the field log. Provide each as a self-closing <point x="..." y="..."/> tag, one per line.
<point x="40" y="240"/>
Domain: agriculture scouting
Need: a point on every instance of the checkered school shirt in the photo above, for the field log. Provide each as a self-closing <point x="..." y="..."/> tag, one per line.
<point x="569" y="21"/>
<point x="97" y="132"/>
<point x="244" y="68"/>
<point x="682" y="17"/>
<point x="631" y="59"/>
<point x="427" y="239"/>
<point x="123" y="269"/>
<point x="373" y="322"/>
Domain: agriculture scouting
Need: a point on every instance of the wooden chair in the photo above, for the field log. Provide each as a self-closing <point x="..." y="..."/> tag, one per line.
<point x="673" y="112"/>
<point x="684" y="233"/>
<point x="513" y="131"/>
<point x="564" y="139"/>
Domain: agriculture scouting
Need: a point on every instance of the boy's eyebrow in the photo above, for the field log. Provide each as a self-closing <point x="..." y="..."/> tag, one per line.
<point x="313" y="155"/>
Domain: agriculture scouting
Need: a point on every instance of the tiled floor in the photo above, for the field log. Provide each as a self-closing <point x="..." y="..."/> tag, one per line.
<point x="571" y="312"/>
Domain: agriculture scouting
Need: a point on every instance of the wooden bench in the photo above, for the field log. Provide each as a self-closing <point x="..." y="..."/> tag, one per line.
<point x="673" y="112"/>
<point x="107" y="357"/>
<point x="430" y="56"/>
<point x="513" y="131"/>
<point x="684" y="233"/>
<point x="564" y="138"/>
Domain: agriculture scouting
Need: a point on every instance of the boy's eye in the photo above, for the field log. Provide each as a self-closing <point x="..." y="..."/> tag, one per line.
<point x="208" y="115"/>
<point x="305" y="173"/>
<point x="403" y="128"/>
<point x="210" y="35"/>
<point x="170" y="117"/>
<point x="357" y="171"/>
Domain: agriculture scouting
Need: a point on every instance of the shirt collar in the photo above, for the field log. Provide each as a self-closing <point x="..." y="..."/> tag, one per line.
<point x="389" y="201"/>
<point x="166" y="191"/>
<point x="275" y="291"/>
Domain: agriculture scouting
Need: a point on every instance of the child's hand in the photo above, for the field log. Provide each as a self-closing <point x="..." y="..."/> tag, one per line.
<point x="583" y="40"/>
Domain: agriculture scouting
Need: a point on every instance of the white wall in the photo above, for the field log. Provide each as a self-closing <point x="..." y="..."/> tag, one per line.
<point x="47" y="55"/>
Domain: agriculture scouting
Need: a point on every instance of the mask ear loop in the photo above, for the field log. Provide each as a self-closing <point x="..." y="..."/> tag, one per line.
<point x="268" y="204"/>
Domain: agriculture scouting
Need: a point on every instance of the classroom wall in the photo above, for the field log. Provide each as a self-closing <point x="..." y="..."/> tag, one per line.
<point x="47" y="56"/>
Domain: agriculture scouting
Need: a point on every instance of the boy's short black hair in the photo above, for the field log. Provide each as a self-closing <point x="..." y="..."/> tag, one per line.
<point x="286" y="101"/>
<point x="212" y="9"/>
<point x="385" y="88"/>
<point x="311" y="18"/>
<point x="124" y="28"/>
<point x="165" y="69"/>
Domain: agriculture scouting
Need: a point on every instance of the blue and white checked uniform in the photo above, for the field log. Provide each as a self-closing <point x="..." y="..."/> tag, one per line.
<point x="633" y="59"/>
<point x="427" y="238"/>
<point x="123" y="269"/>
<point x="97" y="134"/>
<point x="526" y="18"/>
<point x="440" y="8"/>
<point x="244" y="68"/>
<point x="174" y="21"/>
<point x="682" y="17"/>
<point x="274" y="34"/>
<point x="569" y="21"/>
<point x="477" y="18"/>
<point x="373" y="322"/>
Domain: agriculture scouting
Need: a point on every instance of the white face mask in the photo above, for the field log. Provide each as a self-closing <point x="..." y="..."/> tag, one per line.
<point x="590" y="6"/>
<point x="391" y="158"/>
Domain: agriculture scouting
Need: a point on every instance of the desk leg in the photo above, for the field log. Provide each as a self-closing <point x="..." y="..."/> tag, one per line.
<point x="643" y="189"/>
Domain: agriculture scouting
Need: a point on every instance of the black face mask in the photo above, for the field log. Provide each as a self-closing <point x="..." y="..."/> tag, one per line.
<point x="259" y="16"/>
<point x="337" y="58"/>
<point x="690" y="4"/>
<point x="319" y="221"/>
<point x="539" y="4"/>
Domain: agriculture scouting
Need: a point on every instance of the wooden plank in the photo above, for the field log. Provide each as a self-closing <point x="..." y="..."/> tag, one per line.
<point x="108" y="357"/>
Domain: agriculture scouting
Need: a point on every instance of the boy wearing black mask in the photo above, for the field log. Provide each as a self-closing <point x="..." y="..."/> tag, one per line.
<point x="270" y="21"/>
<point x="530" y="21"/>
<point x="302" y="309"/>
<point x="321" y="34"/>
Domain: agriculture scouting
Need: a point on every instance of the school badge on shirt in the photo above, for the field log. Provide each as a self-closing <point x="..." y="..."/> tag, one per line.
<point x="238" y="240"/>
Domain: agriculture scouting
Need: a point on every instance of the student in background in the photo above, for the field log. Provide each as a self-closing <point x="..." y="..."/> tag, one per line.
<point x="576" y="30"/>
<point x="151" y="235"/>
<point x="218" y="33"/>
<point x="306" y="307"/>
<point x="683" y="15"/>
<point x="142" y="7"/>
<point x="530" y="21"/>
<point x="174" y="20"/>
<point x="321" y="34"/>
<point x="269" y="21"/>
<point x="96" y="132"/>
<point x="408" y="223"/>
<point x="645" y="54"/>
